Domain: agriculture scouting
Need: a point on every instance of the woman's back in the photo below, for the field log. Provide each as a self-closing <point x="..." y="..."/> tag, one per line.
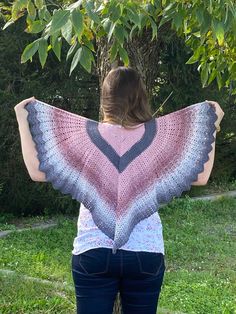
<point x="120" y="175"/>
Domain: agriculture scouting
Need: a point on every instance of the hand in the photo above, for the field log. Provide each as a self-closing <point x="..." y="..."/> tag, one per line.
<point x="18" y="108"/>
<point x="220" y="113"/>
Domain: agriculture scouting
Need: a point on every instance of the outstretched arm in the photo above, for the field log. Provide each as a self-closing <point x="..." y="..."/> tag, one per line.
<point x="27" y="144"/>
<point x="203" y="177"/>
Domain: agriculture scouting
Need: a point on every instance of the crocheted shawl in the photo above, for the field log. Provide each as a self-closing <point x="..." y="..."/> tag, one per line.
<point x="122" y="175"/>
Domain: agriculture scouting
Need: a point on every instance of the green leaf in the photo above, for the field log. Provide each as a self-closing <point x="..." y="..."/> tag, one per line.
<point x="57" y="48"/>
<point x="154" y="28"/>
<point x="89" y="6"/>
<point x="66" y="31"/>
<point x="126" y="34"/>
<point x="133" y="16"/>
<point x="84" y="56"/>
<point x="168" y="13"/>
<point x="150" y="9"/>
<point x="88" y="43"/>
<point x="119" y="33"/>
<point x="75" y="59"/>
<point x="111" y="30"/>
<point x="210" y="8"/>
<point x="59" y="19"/>
<point x="192" y="59"/>
<point x="47" y="15"/>
<point x="18" y="9"/>
<point x="204" y="74"/>
<point x="44" y="14"/>
<point x="75" y="5"/>
<point x="77" y="21"/>
<point x="196" y="56"/>
<point x="232" y="67"/>
<point x="101" y="8"/>
<point x="199" y="13"/>
<point x="11" y="21"/>
<point x="71" y="50"/>
<point x="123" y="55"/>
<point x="31" y="10"/>
<point x="219" y="80"/>
<point x="54" y="37"/>
<point x="106" y="23"/>
<point x="39" y="3"/>
<point x="164" y="20"/>
<point x="115" y="11"/>
<point x="140" y="17"/>
<point x="212" y="76"/>
<point x="36" y="27"/>
<point x="41" y="13"/>
<point x="206" y="23"/>
<point x="100" y="33"/>
<point x="178" y="19"/>
<point x="29" y="22"/>
<point x="113" y="51"/>
<point x="132" y="31"/>
<point x="29" y="51"/>
<point x="169" y="7"/>
<point x="219" y="32"/>
<point x="232" y="8"/>
<point x="43" y="46"/>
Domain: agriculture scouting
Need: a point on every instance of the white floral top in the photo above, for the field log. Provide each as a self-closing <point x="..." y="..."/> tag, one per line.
<point x="146" y="235"/>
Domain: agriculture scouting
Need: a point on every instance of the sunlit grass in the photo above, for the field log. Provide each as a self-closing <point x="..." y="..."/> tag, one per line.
<point x="200" y="249"/>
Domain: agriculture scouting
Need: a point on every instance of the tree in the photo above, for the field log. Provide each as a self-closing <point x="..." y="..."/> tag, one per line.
<point x="101" y="34"/>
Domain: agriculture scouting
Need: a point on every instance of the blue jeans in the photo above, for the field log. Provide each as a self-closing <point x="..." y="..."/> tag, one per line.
<point x="98" y="275"/>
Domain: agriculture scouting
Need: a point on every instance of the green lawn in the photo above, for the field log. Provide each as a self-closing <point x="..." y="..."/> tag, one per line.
<point x="212" y="187"/>
<point x="200" y="245"/>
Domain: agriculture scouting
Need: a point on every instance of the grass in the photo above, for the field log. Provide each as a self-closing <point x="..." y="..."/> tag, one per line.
<point x="200" y="250"/>
<point x="201" y="256"/>
<point x="25" y="296"/>
<point x="213" y="186"/>
<point x="11" y="222"/>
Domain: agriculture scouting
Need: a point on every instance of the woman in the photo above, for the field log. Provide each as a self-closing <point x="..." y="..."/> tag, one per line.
<point x="120" y="169"/>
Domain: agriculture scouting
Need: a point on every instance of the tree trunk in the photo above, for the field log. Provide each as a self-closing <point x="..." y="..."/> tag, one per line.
<point x="143" y="54"/>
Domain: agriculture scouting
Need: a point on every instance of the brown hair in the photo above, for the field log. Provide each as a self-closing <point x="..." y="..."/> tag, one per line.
<point x="124" y="98"/>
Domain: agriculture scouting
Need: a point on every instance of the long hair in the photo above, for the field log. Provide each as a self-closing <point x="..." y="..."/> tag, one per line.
<point x="124" y="98"/>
